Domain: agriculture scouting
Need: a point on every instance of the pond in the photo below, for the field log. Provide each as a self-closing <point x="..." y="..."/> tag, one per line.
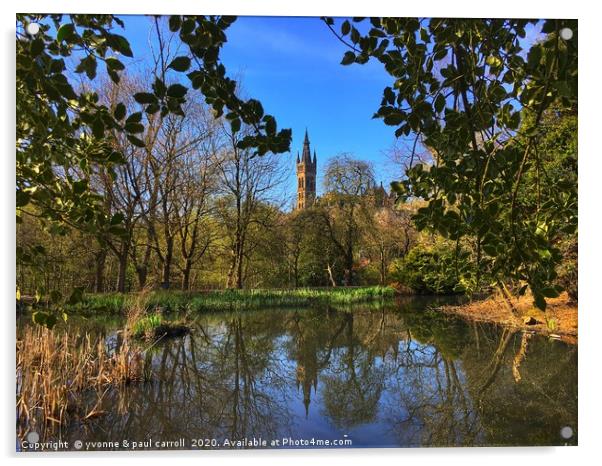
<point x="395" y="375"/>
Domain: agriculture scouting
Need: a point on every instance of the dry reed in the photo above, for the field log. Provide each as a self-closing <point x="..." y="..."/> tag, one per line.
<point x="57" y="373"/>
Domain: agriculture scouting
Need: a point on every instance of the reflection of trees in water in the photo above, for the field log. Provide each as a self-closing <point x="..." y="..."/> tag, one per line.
<point x="456" y="386"/>
<point x="223" y="381"/>
<point x="423" y="378"/>
<point x="533" y="410"/>
<point x="354" y="382"/>
<point x="428" y="403"/>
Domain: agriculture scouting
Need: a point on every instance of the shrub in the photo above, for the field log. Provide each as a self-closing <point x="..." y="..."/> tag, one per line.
<point x="568" y="268"/>
<point x="428" y="270"/>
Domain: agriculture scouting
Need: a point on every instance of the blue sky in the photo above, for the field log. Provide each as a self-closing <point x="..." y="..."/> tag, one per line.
<point x="292" y="65"/>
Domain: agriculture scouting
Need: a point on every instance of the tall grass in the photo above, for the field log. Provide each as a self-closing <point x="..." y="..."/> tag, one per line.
<point x="150" y="326"/>
<point x="234" y="299"/>
<point x="61" y="376"/>
<point x="146" y="325"/>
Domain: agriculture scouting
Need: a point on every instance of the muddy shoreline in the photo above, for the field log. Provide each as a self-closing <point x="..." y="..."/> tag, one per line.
<point x="558" y="321"/>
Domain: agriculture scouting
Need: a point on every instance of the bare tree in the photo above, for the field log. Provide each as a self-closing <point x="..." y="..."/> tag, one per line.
<point x="389" y="235"/>
<point x="348" y="183"/>
<point x="194" y="206"/>
<point x="246" y="182"/>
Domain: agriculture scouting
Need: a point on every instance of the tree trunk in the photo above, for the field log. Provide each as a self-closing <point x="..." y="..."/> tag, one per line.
<point x="142" y="272"/>
<point x="99" y="281"/>
<point x="235" y="273"/>
<point x="296" y="272"/>
<point x="186" y="275"/>
<point x="330" y="277"/>
<point x="383" y="269"/>
<point x="349" y="268"/>
<point x="231" y="270"/>
<point x="123" y="263"/>
<point x="239" y="271"/>
<point x="142" y="267"/>
<point x="166" y="279"/>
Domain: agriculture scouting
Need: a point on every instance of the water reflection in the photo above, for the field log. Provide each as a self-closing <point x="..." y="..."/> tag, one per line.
<point x="394" y="376"/>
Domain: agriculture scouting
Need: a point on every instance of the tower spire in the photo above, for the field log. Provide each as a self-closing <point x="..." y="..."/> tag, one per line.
<point x="306" y="157"/>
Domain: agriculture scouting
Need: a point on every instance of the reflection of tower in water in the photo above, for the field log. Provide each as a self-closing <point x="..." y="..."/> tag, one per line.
<point x="307" y="367"/>
<point x="306" y="378"/>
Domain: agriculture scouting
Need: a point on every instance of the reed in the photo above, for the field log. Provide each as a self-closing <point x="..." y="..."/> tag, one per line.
<point x="62" y="377"/>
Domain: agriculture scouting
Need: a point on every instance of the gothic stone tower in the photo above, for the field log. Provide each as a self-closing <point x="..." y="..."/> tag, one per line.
<point x="306" y="176"/>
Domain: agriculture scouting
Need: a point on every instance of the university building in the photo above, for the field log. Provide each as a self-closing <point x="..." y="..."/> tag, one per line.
<point x="307" y="175"/>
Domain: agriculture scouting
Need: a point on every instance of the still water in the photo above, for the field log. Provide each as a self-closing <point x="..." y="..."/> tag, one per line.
<point x="374" y="376"/>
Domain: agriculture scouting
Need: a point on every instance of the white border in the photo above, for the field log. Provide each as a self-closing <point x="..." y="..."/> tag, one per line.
<point x="590" y="173"/>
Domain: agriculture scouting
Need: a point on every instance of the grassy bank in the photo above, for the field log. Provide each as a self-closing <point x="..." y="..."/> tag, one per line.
<point x="560" y="317"/>
<point x="234" y="299"/>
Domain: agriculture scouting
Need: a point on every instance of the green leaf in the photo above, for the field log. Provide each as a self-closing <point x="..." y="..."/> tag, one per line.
<point x="235" y="125"/>
<point x="348" y="58"/>
<point x="539" y="301"/>
<point x="514" y="121"/>
<point x="119" y="112"/>
<point x="116" y="157"/>
<point x="345" y="28"/>
<point x="255" y="109"/>
<point x="134" y="118"/>
<point x="121" y="45"/>
<point x="145" y="98"/>
<point x="114" y="64"/>
<point x="180" y="63"/>
<point x="98" y="128"/>
<point x="534" y="56"/>
<point x="175" y="22"/>
<point x="439" y="103"/>
<point x="87" y="64"/>
<point x="550" y="292"/>
<point x="152" y="108"/>
<point x="135" y="141"/>
<point x="65" y="32"/>
<point x="22" y="198"/>
<point x="117" y="219"/>
<point x="37" y="46"/>
<point x="177" y="91"/>
<point x="159" y="88"/>
<point x="134" y="127"/>
<point x="494" y="61"/>
<point x="113" y="75"/>
<point x="270" y="125"/>
<point x="80" y="186"/>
